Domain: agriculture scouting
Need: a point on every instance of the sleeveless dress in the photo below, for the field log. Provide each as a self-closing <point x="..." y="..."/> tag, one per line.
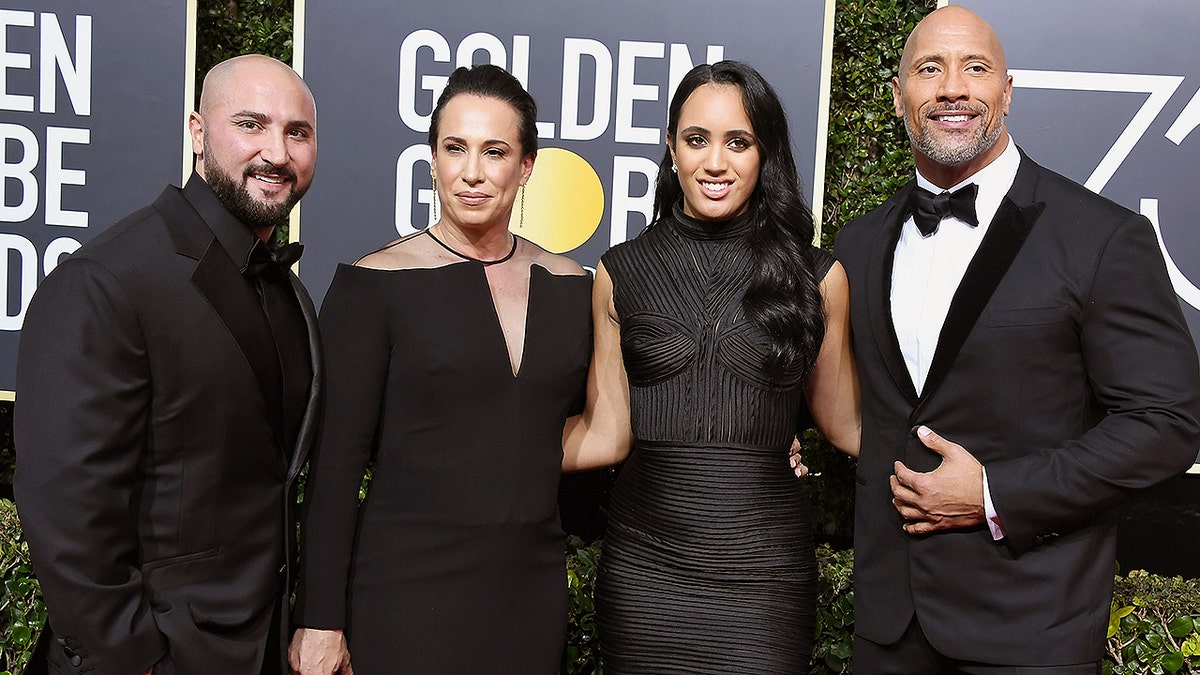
<point x="455" y="561"/>
<point x="708" y="563"/>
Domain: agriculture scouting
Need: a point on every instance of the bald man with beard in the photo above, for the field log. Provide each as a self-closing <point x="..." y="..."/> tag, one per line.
<point x="1025" y="368"/>
<point x="167" y="381"/>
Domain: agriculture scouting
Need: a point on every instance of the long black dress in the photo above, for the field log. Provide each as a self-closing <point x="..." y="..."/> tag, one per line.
<point x="708" y="562"/>
<point x="455" y="561"/>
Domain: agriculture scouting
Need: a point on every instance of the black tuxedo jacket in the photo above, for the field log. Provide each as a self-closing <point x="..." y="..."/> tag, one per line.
<point x="152" y="485"/>
<point x="1066" y="368"/>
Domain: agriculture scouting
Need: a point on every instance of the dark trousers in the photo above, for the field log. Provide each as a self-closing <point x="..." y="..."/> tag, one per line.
<point x="274" y="658"/>
<point x="913" y="655"/>
<point x="275" y="655"/>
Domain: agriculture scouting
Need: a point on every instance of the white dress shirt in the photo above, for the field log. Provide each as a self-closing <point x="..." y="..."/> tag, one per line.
<point x="926" y="272"/>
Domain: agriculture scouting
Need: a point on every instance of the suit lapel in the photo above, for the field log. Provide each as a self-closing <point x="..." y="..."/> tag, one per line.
<point x="1005" y="236"/>
<point x="308" y="424"/>
<point x="219" y="281"/>
<point x="879" y="294"/>
<point x="240" y="310"/>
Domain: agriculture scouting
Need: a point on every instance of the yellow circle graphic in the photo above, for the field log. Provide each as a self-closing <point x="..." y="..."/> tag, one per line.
<point x="564" y="202"/>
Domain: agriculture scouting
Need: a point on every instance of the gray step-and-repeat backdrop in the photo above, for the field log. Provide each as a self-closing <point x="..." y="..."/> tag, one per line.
<point x="1107" y="92"/>
<point x="93" y="105"/>
<point x="601" y="72"/>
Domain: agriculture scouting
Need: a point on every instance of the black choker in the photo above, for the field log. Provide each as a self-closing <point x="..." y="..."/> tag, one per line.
<point x="497" y="261"/>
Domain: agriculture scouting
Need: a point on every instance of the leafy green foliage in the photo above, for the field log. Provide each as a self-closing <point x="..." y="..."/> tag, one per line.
<point x="21" y="608"/>
<point x="582" y="653"/>
<point x="830" y="487"/>
<point x="835" y="611"/>
<point x="1154" y="625"/>
<point x="8" y="458"/>
<point x="227" y="28"/>
<point x="868" y="156"/>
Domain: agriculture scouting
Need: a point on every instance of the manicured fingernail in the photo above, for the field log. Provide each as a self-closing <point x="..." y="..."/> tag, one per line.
<point x="924" y="431"/>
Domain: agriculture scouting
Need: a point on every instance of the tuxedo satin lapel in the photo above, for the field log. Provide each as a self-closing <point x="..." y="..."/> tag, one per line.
<point x="879" y="295"/>
<point x="238" y="306"/>
<point x="304" y="438"/>
<point x="1005" y="236"/>
<point x="220" y="282"/>
<point x="188" y="231"/>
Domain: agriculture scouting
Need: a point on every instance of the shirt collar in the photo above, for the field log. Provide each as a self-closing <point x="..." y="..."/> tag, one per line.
<point x="235" y="237"/>
<point x="994" y="181"/>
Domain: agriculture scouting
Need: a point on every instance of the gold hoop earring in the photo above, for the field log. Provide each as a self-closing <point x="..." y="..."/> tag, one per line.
<point x="434" y="202"/>
<point x="521" y="223"/>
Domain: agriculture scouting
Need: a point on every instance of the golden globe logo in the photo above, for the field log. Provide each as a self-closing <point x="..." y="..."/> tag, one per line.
<point x="564" y="202"/>
<point x="600" y="84"/>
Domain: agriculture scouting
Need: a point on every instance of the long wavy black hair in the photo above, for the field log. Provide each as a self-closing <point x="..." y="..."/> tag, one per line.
<point x="784" y="295"/>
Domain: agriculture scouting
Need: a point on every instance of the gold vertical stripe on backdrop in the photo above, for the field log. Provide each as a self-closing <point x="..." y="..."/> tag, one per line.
<point x="189" y="86"/>
<point x="822" y="145"/>
<point x="298" y="66"/>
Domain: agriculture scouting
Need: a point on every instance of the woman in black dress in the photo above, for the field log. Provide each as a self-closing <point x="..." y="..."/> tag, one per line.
<point x="720" y="333"/>
<point x="453" y="356"/>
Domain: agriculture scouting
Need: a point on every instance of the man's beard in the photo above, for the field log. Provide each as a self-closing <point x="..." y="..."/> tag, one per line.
<point x="951" y="155"/>
<point x="235" y="197"/>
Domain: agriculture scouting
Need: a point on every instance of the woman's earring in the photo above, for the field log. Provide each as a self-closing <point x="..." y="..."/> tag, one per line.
<point x="674" y="167"/>
<point x="521" y="223"/>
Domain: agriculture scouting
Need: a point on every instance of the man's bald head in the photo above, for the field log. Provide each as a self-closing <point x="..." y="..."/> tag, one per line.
<point x="953" y="91"/>
<point x="255" y="138"/>
<point x="233" y="73"/>
<point x="950" y="19"/>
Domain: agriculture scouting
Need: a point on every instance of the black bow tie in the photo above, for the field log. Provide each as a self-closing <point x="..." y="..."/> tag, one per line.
<point x="261" y="257"/>
<point x="928" y="210"/>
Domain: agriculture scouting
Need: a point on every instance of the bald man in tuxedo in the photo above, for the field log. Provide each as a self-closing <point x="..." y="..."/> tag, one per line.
<point x="168" y="378"/>
<point x="1025" y="368"/>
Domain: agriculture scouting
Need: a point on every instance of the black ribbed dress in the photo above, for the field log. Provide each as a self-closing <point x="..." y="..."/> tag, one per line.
<point x="708" y="562"/>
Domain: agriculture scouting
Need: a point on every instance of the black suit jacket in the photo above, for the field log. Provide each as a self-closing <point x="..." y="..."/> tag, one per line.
<point x="153" y="489"/>
<point x="1065" y="366"/>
